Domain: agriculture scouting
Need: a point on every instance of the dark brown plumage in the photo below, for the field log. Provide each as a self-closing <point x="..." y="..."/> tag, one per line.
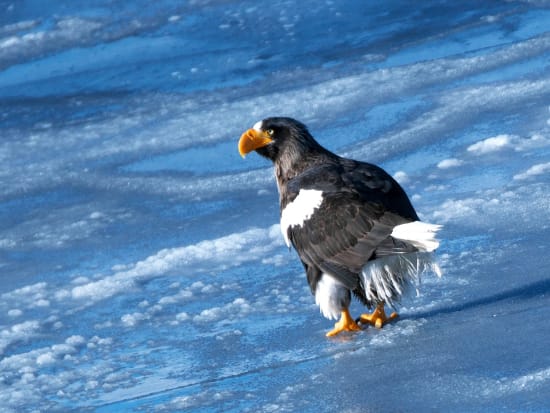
<point x="351" y="223"/>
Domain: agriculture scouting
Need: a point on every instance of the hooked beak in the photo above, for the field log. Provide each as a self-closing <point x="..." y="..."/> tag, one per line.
<point x="253" y="139"/>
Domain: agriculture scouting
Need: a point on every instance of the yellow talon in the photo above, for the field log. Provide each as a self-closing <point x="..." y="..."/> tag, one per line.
<point x="346" y="323"/>
<point x="378" y="317"/>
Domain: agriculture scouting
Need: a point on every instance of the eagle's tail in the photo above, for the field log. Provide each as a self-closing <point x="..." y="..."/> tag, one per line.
<point x="385" y="279"/>
<point x="419" y="234"/>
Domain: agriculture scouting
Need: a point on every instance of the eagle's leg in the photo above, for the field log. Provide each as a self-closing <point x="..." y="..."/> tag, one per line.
<point x="346" y="323"/>
<point x="378" y="317"/>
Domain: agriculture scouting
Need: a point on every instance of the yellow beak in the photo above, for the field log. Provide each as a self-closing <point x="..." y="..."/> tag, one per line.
<point x="253" y="139"/>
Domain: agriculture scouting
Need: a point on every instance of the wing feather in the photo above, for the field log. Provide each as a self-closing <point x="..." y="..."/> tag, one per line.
<point x="360" y="207"/>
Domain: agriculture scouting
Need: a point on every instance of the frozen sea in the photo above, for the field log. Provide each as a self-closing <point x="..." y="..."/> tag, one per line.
<point x="141" y="262"/>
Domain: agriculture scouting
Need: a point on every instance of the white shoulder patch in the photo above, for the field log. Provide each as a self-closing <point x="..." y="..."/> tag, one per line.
<point x="258" y="125"/>
<point x="300" y="210"/>
<point x="420" y="234"/>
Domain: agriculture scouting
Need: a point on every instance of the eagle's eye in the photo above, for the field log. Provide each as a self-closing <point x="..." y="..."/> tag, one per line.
<point x="270" y="132"/>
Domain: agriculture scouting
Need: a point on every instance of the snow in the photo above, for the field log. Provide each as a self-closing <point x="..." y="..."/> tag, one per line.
<point x="449" y="163"/>
<point x="222" y="252"/>
<point x="538" y="169"/>
<point x="489" y="145"/>
<point x="142" y="263"/>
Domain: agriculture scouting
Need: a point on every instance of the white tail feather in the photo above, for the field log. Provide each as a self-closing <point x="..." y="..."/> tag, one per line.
<point x="385" y="278"/>
<point x="420" y="234"/>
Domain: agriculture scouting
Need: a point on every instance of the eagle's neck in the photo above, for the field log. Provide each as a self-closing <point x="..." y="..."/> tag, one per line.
<point x="282" y="181"/>
<point x="289" y="167"/>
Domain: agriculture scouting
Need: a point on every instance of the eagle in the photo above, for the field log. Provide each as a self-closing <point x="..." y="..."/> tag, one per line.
<point x="352" y="225"/>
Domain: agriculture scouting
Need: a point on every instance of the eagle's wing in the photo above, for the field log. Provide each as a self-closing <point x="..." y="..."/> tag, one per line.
<point x="360" y="205"/>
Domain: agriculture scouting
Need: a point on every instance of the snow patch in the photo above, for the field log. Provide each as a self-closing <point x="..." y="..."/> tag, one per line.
<point x="131" y="320"/>
<point x="209" y="255"/>
<point x="537" y="140"/>
<point x="183" y="316"/>
<point x="19" y="26"/>
<point x="236" y="309"/>
<point x="538" y="169"/>
<point x="30" y="378"/>
<point x="15" y="312"/>
<point x="392" y="333"/>
<point x="66" y="31"/>
<point x="7" y="243"/>
<point x="401" y="177"/>
<point x="200" y="399"/>
<point x="528" y="381"/>
<point x="449" y="163"/>
<point x="515" y="142"/>
<point x="75" y="341"/>
<point x="276" y="260"/>
<point x="180" y="297"/>
<point x="496" y="143"/>
<point x="18" y="332"/>
<point x="513" y="208"/>
<point x="44" y="359"/>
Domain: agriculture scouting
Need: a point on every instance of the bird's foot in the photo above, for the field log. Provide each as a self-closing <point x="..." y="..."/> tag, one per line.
<point x="346" y="323"/>
<point x="378" y="317"/>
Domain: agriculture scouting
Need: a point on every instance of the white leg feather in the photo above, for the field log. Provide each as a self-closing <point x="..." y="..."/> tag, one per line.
<point x="331" y="296"/>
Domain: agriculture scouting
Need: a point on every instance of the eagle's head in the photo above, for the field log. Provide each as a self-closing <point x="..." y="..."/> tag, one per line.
<point x="285" y="141"/>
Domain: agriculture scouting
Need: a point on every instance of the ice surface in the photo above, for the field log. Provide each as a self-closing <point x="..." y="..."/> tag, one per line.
<point x="141" y="260"/>
<point x="538" y="169"/>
